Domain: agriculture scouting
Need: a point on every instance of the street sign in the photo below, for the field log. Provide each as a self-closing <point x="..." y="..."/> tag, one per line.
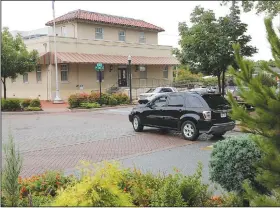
<point x="99" y="67"/>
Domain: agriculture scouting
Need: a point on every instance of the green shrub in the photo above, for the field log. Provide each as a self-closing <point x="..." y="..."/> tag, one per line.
<point x="90" y="105"/>
<point x="121" y="98"/>
<point x="141" y="186"/>
<point x="73" y="101"/>
<point x="169" y="194"/>
<point x="96" y="188"/>
<point x="35" y="103"/>
<point x="232" y="162"/>
<point x="194" y="192"/>
<point x="10" y="104"/>
<point x="112" y="101"/>
<point x="25" y="103"/>
<point x="93" y="97"/>
<point x="32" y="109"/>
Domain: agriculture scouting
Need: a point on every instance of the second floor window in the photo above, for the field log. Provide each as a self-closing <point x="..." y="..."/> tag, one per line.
<point x="122" y="36"/>
<point x="39" y="74"/>
<point x="99" y="33"/>
<point x="142" y="38"/>
<point x="64" y="72"/>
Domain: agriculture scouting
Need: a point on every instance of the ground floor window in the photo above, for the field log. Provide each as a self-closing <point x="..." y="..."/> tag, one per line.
<point x="64" y="70"/>
<point x="165" y="72"/>
<point x="25" y="77"/>
<point x="143" y="72"/>
<point x="97" y="75"/>
<point x="38" y="74"/>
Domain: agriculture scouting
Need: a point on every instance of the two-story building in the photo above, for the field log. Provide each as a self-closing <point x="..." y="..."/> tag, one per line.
<point x="84" y="39"/>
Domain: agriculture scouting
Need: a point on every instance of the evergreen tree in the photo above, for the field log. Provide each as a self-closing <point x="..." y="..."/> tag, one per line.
<point x="264" y="123"/>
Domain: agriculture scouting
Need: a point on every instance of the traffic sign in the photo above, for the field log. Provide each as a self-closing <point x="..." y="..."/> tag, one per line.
<point x="99" y="67"/>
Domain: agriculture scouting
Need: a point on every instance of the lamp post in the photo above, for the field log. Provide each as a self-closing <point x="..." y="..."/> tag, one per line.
<point x="130" y="85"/>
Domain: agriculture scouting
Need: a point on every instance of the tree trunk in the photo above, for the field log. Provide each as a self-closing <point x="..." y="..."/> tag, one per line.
<point x="223" y="82"/>
<point x="219" y="82"/>
<point x="4" y="87"/>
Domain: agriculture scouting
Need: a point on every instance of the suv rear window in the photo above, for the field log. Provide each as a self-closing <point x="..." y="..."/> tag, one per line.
<point x="216" y="101"/>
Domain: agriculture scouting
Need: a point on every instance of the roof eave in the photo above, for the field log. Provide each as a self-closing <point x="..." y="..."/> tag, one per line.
<point x="50" y="23"/>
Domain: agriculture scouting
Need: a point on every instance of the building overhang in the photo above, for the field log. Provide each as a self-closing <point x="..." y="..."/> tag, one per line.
<point x="82" y="58"/>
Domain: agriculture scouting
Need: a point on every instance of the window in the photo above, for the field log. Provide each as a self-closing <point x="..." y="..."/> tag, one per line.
<point x="216" y="101"/>
<point x="25" y="77"/>
<point x="38" y="74"/>
<point x="143" y="72"/>
<point x="165" y="72"/>
<point x="142" y="38"/>
<point x="122" y="36"/>
<point x="165" y="90"/>
<point x="97" y="75"/>
<point x="99" y="33"/>
<point x="64" y="72"/>
<point x="176" y="101"/>
<point x="63" y="31"/>
<point x="160" y="102"/>
<point x="194" y="102"/>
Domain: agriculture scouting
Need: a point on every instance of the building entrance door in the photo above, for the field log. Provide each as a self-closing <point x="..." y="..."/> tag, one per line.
<point x="122" y="77"/>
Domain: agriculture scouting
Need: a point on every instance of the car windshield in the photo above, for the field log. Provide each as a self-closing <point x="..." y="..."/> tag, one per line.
<point x="151" y="90"/>
<point x="216" y="101"/>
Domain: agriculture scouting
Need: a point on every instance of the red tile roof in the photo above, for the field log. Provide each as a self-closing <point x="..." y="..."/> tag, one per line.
<point x="65" y="57"/>
<point x="104" y="18"/>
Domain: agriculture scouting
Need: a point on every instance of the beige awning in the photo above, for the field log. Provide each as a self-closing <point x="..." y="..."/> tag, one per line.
<point x="63" y="57"/>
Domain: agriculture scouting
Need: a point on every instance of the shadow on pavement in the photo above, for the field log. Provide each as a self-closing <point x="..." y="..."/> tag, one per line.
<point x="167" y="132"/>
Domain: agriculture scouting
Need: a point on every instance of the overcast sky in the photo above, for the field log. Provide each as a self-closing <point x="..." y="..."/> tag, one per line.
<point x="30" y="15"/>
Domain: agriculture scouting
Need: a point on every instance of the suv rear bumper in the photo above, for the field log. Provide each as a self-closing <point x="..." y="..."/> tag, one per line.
<point x="222" y="127"/>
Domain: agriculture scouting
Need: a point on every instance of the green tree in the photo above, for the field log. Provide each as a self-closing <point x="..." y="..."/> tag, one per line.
<point x="271" y="8"/>
<point x="15" y="58"/>
<point x="206" y="46"/>
<point x="264" y="123"/>
<point x="10" y="174"/>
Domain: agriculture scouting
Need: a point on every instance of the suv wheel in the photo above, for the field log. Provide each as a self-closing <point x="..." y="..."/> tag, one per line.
<point x="136" y="123"/>
<point x="189" y="131"/>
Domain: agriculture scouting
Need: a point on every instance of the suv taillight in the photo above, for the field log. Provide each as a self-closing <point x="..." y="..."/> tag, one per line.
<point x="207" y="115"/>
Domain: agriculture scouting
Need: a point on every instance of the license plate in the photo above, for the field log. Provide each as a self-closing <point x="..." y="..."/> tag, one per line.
<point x="223" y="115"/>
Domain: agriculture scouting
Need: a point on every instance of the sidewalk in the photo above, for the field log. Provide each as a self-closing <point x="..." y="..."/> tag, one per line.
<point x="49" y="106"/>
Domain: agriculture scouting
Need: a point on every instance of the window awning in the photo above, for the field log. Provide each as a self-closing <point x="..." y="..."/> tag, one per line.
<point x="64" y="57"/>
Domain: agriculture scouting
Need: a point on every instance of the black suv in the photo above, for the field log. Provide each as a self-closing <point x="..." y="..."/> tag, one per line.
<point x="190" y="113"/>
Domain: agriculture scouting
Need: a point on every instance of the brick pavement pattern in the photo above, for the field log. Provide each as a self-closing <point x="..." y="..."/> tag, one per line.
<point x="59" y="141"/>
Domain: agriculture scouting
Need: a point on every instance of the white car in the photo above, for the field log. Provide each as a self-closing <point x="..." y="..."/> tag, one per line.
<point x="150" y="94"/>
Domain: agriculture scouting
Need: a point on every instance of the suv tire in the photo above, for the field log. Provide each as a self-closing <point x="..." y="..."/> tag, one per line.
<point x="189" y="131"/>
<point x="136" y="123"/>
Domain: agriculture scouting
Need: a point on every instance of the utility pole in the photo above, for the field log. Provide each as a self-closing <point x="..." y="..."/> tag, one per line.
<point x="130" y="76"/>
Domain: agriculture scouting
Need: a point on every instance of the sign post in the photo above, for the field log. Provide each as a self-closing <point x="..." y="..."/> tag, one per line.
<point x="99" y="68"/>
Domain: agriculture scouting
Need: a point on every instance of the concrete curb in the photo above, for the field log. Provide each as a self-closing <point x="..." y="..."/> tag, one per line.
<point x="63" y="111"/>
<point x="98" y="109"/>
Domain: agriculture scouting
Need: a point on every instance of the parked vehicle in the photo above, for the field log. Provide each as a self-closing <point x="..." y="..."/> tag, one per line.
<point x="150" y="94"/>
<point x="201" y="90"/>
<point x="190" y="113"/>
